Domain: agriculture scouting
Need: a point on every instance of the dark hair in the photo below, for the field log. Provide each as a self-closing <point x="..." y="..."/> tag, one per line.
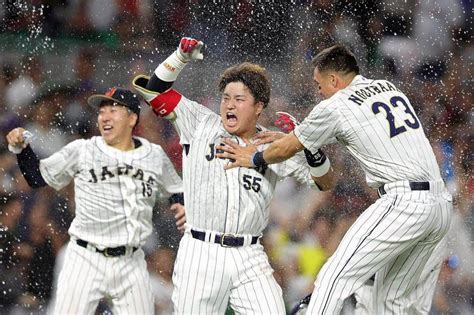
<point x="337" y="58"/>
<point x="253" y="76"/>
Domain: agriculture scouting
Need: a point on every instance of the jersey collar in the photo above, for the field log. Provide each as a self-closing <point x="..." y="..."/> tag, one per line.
<point x="137" y="153"/>
<point x="357" y="79"/>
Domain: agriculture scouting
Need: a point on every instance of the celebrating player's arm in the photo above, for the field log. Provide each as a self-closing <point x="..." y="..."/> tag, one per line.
<point x="282" y="148"/>
<point x="167" y="102"/>
<point x="19" y="143"/>
<point x="156" y="89"/>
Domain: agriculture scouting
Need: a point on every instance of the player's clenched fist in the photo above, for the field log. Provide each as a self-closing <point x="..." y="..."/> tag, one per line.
<point x="190" y="49"/>
<point x="15" y="137"/>
<point x="18" y="139"/>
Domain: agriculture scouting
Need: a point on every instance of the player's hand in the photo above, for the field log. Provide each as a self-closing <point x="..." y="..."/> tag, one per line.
<point x="267" y="137"/>
<point x="190" y="49"/>
<point x="286" y="122"/>
<point x="179" y="215"/>
<point x="18" y="139"/>
<point x="15" y="137"/>
<point x="240" y="156"/>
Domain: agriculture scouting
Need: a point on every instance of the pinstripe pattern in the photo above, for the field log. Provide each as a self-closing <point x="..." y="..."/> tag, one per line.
<point x="216" y="199"/>
<point x="396" y="236"/>
<point x="407" y="156"/>
<point x="115" y="192"/>
<point x="393" y="239"/>
<point x="88" y="276"/>
<point x="207" y="276"/>
<point x="114" y="211"/>
<point x="416" y="302"/>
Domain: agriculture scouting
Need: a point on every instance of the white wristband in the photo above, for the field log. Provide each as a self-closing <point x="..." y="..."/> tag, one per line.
<point x="169" y="69"/>
<point x="320" y="170"/>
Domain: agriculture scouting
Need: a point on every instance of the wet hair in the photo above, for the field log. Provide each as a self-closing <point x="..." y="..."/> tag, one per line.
<point x="336" y="58"/>
<point x="253" y="76"/>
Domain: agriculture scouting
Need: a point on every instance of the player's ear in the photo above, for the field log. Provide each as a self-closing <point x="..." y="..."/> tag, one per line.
<point x="334" y="80"/>
<point x="260" y="107"/>
<point x="133" y="120"/>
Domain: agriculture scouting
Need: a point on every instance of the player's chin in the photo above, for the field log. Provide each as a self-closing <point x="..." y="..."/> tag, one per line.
<point x="231" y="128"/>
<point x="109" y="138"/>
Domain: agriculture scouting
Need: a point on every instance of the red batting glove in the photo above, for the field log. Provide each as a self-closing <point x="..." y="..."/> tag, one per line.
<point x="286" y="122"/>
<point x="190" y="49"/>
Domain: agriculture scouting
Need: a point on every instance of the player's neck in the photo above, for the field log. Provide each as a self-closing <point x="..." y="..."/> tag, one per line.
<point x="125" y="145"/>
<point x="247" y="134"/>
<point x="347" y="79"/>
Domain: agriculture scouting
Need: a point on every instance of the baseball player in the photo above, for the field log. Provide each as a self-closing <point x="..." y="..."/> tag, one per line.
<point x="117" y="179"/>
<point x="396" y="235"/>
<point x="220" y="259"/>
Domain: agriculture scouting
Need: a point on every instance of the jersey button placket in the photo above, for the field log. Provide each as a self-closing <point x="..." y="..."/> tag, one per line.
<point x="233" y="201"/>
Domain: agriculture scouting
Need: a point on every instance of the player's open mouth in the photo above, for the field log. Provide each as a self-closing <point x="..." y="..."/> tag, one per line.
<point x="107" y="128"/>
<point x="231" y="118"/>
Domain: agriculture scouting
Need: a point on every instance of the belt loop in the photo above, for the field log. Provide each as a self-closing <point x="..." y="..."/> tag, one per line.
<point x="248" y="240"/>
<point x="210" y="237"/>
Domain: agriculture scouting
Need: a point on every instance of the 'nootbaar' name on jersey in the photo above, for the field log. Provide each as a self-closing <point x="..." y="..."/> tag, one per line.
<point x="360" y="95"/>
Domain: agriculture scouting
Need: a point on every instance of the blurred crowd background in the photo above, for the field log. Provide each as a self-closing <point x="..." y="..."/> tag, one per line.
<point x="56" y="53"/>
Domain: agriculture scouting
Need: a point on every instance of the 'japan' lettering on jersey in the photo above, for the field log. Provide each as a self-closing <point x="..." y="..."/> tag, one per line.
<point x="226" y="201"/>
<point x="376" y="113"/>
<point x="115" y="190"/>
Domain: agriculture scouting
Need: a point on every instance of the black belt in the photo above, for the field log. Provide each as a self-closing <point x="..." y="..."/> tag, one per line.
<point x="107" y="252"/>
<point x="225" y="240"/>
<point x="413" y="186"/>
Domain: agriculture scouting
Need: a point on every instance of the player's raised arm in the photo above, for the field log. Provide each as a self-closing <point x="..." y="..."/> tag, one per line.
<point x="156" y="90"/>
<point x="18" y="142"/>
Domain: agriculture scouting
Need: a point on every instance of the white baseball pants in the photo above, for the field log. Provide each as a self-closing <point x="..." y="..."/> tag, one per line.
<point x="393" y="239"/>
<point x="207" y="277"/>
<point x="88" y="276"/>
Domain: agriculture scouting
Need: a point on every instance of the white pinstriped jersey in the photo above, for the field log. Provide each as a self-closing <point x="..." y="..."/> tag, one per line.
<point x="233" y="201"/>
<point x="115" y="191"/>
<point x="377" y="124"/>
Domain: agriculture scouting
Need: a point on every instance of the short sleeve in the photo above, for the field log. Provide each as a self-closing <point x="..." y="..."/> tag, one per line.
<point x="58" y="170"/>
<point x="319" y="128"/>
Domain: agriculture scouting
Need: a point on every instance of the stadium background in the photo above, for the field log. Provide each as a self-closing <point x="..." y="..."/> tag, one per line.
<point x="55" y="53"/>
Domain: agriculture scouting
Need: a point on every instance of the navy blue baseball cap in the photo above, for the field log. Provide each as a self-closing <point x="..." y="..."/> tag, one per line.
<point x="120" y="95"/>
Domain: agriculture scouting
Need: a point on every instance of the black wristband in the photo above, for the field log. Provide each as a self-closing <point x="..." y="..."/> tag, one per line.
<point x="257" y="159"/>
<point x="316" y="159"/>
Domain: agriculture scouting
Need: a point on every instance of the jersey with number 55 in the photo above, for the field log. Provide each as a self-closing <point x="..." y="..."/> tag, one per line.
<point x="225" y="201"/>
<point x="377" y="113"/>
